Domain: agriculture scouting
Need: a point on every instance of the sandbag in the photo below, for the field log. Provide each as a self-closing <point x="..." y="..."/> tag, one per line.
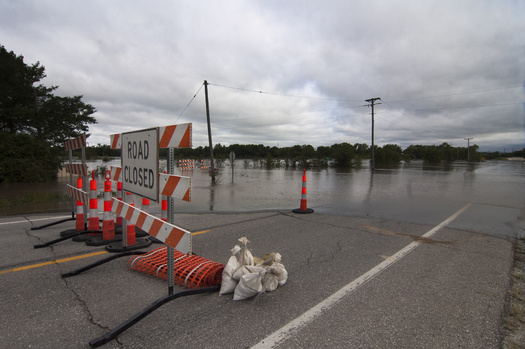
<point x="282" y="273"/>
<point x="250" y="285"/>
<point x="270" y="279"/>
<point x="228" y="284"/>
<point x="245" y="269"/>
<point x="246" y="257"/>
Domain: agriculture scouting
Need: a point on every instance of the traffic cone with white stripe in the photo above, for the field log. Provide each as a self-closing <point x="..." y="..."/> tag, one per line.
<point x="94" y="220"/>
<point x="79" y="223"/>
<point x="304" y="208"/>
<point x="108" y="225"/>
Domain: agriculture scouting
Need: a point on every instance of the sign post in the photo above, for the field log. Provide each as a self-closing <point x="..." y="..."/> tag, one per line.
<point x="232" y="161"/>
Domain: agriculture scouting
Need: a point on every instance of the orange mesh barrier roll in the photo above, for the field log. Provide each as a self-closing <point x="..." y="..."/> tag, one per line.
<point x="190" y="271"/>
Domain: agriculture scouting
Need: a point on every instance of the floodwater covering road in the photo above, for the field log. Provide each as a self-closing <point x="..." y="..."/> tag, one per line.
<point x="413" y="192"/>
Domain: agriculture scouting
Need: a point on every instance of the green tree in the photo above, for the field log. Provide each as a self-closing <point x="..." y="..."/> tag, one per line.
<point x="343" y="154"/>
<point x="388" y="155"/>
<point x="31" y="109"/>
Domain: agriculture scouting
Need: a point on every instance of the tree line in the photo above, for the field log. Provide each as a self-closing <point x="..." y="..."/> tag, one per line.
<point x="341" y="155"/>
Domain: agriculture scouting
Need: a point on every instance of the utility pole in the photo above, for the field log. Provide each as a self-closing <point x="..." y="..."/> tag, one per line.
<point x="468" y="148"/>
<point x="212" y="162"/>
<point x="372" y="103"/>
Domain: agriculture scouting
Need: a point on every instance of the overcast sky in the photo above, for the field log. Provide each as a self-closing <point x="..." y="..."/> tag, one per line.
<point x="283" y="73"/>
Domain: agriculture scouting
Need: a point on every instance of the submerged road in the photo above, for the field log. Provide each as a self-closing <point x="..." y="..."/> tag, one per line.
<point x="353" y="282"/>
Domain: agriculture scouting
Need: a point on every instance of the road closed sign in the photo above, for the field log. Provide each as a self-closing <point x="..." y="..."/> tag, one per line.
<point x="140" y="163"/>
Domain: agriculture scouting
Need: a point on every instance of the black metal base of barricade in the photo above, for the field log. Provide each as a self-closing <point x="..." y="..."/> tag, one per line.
<point x="117" y="246"/>
<point x="55" y="223"/>
<point x="69" y="236"/>
<point x="99" y="241"/>
<point x="298" y="210"/>
<point x="83" y="237"/>
<point x="114" y="333"/>
<point x="100" y="262"/>
<point x="69" y="233"/>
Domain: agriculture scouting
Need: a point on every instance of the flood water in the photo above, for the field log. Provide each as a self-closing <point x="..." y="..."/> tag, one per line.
<point x="406" y="192"/>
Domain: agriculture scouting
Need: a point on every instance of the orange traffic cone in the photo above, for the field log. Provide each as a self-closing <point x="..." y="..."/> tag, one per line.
<point x="303" y="208"/>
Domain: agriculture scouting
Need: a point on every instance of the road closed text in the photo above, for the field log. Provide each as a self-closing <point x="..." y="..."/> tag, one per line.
<point x="136" y="174"/>
<point x="140" y="163"/>
<point x="142" y="177"/>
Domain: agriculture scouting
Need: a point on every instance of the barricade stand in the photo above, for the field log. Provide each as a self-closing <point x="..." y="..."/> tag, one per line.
<point x="119" y="197"/>
<point x="79" y="226"/>
<point x="303" y="208"/>
<point x="69" y="146"/>
<point x="164" y="208"/>
<point x="108" y="226"/>
<point x="79" y="169"/>
<point x="80" y="220"/>
<point x="81" y="196"/>
<point x="173" y="236"/>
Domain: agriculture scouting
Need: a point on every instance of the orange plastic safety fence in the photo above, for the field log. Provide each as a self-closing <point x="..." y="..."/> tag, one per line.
<point x="190" y="271"/>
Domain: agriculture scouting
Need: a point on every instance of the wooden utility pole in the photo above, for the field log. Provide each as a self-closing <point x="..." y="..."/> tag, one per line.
<point x="372" y="103"/>
<point x="212" y="162"/>
<point x="468" y="148"/>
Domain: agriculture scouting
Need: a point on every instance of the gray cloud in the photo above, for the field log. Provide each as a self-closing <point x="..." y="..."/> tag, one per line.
<point x="141" y="63"/>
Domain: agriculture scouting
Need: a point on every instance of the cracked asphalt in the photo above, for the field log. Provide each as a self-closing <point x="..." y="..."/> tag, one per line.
<point x="448" y="292"/>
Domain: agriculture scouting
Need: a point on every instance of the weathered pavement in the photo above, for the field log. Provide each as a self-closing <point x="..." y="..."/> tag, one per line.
<point x="448" y="291"/>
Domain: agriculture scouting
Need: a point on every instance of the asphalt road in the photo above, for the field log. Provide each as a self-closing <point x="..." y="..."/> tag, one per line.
<point x="353" y="282"/>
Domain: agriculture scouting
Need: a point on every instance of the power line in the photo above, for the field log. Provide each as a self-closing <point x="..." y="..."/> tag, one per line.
<point x="191" y="100"/>
<point x="283" y="94"/>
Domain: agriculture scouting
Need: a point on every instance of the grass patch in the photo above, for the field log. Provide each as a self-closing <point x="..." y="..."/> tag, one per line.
<point x="32" y="199"/>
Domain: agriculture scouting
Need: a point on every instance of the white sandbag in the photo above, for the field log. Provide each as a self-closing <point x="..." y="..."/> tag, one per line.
<point x="245" y="269"/>
<point x="270" y="280"/>
<point x="271" y="258"/>
<point x="228" y="284"/>
<point x="246" y="257"/>
<point x="249" y="286"/>
<point x="282" y="273"/>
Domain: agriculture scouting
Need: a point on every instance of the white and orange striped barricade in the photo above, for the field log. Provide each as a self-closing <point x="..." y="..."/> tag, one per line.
<point x="80" y="170"/>
<point x="131" y="239"/>
<point x="173" y="136"/>
<point x="186" y="164"/>
<point x="303" y="207"/>
<point x="177" y="187"/>
<point x="170" y="234"/>
<point x="82" y="199"/>
<point x="69" y="145"/>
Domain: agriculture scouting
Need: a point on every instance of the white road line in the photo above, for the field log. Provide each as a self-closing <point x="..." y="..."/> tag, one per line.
<point x="294" y="326"/>
<point x="35" y="220"/>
